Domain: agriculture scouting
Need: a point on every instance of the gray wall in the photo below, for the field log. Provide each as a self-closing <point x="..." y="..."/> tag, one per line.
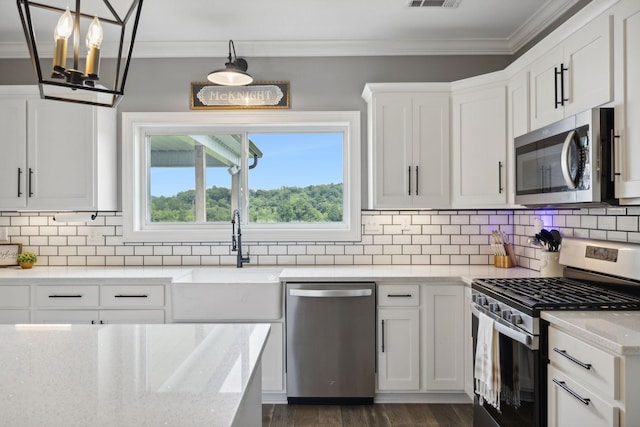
<point x="317" y="83"/>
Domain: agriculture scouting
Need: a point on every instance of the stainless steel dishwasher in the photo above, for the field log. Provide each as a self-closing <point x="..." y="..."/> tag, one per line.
<point x="331" y="342"/>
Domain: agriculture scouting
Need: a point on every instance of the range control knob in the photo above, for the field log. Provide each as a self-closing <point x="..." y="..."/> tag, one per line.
<point x="506" y="315"/>
<point x="516" y="319"/>
<point x="494" y="307"/>
<point x="482" y="300"/>
<point x="474" y="298"/>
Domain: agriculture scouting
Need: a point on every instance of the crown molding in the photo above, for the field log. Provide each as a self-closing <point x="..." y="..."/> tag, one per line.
<point x="254" y="49"/>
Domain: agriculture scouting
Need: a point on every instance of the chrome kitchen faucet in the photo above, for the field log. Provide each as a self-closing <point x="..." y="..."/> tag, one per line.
<point x="236" y="239"/>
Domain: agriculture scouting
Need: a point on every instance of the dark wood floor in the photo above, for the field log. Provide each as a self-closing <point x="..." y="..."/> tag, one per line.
<point x="382" y="415"/>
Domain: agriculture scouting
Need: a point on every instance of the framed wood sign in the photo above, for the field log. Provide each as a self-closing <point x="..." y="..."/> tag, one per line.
<point x="209" y="96"/>
<point x="8" y="254"/>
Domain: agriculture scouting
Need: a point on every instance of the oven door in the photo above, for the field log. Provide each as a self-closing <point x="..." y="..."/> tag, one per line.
<point x="522" y="392"/>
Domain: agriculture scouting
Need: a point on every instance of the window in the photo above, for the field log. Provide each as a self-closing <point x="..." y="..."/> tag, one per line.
<point x="292" y="175"/>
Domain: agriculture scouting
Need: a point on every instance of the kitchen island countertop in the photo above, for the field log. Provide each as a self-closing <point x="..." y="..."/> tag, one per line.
<point x="134" y="375"/>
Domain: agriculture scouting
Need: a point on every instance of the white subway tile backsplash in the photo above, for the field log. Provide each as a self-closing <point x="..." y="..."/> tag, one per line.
<point x="606" y="222"/>
<point x="627" y="223"/>
<point x="404" y="237"/>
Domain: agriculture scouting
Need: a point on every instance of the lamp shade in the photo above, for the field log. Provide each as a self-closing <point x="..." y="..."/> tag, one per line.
<point x="81" y="53"/>
<point x="234" y="73"/>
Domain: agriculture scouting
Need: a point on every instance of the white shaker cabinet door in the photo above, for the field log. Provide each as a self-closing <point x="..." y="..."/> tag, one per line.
<point x="443" y="337"/>
<point x="627" y="100"/>
<point x="13" y="161"/>
<point x="588" y="53"/>
<point x="546" y="88"/>
<point x="479" y="148"/>
<point x="398" y="349"/>
<point x="392" y="150"/>
<point x="61" y="155"/>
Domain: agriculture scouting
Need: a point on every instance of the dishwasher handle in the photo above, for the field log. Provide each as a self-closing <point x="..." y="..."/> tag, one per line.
<point x="330" y="293"/>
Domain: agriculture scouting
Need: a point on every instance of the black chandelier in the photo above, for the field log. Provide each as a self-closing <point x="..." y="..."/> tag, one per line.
<point x="83" y="81"/>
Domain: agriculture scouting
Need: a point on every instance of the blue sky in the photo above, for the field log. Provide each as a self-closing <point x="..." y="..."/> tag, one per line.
<point x="288" y="160"/>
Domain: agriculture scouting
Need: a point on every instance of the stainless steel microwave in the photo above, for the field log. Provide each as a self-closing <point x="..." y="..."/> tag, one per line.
<point x="569" y="162"/>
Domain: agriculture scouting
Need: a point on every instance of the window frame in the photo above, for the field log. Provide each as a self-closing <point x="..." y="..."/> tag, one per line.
<point x="135" y="170"/>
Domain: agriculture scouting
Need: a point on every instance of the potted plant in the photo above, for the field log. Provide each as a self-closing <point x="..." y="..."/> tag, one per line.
<point x="27" y="259"/>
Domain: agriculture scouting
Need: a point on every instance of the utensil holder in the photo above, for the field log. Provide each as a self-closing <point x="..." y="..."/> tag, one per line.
<point x="501" y="261"/>
<point x="550" y="264"/>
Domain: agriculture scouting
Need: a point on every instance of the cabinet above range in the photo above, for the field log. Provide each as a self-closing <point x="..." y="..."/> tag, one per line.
<point x="56" y="155"/>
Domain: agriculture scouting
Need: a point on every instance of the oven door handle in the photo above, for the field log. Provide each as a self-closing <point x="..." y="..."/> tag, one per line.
<point x="520" y="337"/>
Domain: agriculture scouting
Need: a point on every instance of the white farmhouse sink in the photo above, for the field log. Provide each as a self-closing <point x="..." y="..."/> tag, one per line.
<point x="223" y="294"/>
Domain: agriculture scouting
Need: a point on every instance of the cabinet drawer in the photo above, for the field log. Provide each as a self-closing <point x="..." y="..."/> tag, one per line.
<point x="398" y="295"/>
<point x="14" y="296"/>
<point x="570" y="404"/>
<point x="132" y="296"/>
<point x="588" y="365"/>
<point x="67" y="296"/>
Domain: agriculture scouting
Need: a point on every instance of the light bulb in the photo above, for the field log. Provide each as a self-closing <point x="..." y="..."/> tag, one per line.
<point x="94" y="40"/>
<point x="94" y="34"/>
<point x="60" y="34"/>
<point x="65" y="26"/>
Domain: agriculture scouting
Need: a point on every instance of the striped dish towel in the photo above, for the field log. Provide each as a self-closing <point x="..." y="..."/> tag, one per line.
<point x="487" y="363"/>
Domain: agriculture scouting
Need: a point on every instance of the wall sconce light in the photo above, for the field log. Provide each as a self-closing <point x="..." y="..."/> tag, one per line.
<point x="234" y="73"/>
<point x="99" y="20"/>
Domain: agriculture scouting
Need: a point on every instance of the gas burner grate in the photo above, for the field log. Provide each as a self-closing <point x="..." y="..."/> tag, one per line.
<point x="561" y="293"/>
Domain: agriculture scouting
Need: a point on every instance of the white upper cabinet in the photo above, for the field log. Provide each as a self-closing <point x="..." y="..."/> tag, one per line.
<point x="627" y="100"/>
<point x="61" y="156"/>
<point x="574" y="76"/>
<point x="408" y="150"/>
<point x="13" y="126"/>
<point x="479" y="135"/>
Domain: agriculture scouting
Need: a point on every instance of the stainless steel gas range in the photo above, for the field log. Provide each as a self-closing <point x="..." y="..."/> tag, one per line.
<point x="599" y="275"/>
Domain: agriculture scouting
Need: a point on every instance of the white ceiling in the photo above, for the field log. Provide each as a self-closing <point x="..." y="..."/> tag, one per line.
<point x="202" y="28"/>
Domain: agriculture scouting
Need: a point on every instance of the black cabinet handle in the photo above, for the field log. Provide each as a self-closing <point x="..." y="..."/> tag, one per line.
<point x="131" y="296"/>
<point x="19" y="182"/>
<point x="564" y="386"/>
<point x="500" y="177"/>
<point x="65" y="296"/>
<point x="383" y="335"/>
<point x="409" y="176"/>
<point x="614" y="139"/>
<point x="30" y="182"/>
<point x="399" y="295"/>
<point x="571" y="358"/>
<point x="417" y="181"/>
<point x="560" y="100"/>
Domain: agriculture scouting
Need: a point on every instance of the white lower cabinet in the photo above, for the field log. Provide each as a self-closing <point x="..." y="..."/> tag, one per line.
<point x="443" y="337"/>
<point x="421" y="338"/>
<point x="398" y="349"/>
<point x="14" y="304"/>
<point x="99" y="304"/>
<point x="570" y="404"/>
<point x="587" y="385"/>
<point x="273" y="360"/>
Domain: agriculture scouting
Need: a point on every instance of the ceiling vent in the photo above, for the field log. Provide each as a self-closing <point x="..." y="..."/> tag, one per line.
<point x="448" y="4"/>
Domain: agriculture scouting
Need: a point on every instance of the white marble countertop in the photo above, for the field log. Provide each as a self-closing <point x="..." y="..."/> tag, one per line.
<point x="89" y="275"/>
<point x="617" y="331"/>
<point x="126" y="375"/>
